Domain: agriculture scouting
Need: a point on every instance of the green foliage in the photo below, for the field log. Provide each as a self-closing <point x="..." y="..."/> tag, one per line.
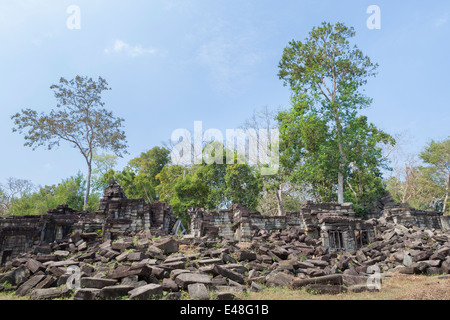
<point x="322" y="136"/>
<point x="436" y="175"/>
<point x="104" y="163"/>
<point x="325" y="74"/>
<point x="138" y="178"/>
<point x="427" y="186"/>
<point x="209" y="185"/>
<point x="70" y="191"/>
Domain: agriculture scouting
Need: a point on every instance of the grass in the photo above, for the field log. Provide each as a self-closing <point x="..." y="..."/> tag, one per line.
<point x="11" y="296"/>
<point x="397" y="287"/>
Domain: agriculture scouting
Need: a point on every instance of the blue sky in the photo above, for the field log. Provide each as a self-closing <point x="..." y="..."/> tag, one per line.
<point x="171" y="63"/>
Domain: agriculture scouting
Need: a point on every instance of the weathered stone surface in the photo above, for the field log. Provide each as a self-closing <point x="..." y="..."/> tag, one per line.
<point x="335" y="279"/>
<point x="185" y="279"/>
<point x="280" y="279"/>
<point x="114" y="292"/>
<point x="136" y="256"/>
<point x="28" y="285"/>
<point x="34" y="266"/>
<point x="169" y="285"/>
<point x="198" y="291"/>
<point x="65" y="263"/>
<point x="350" y="280"/>
<point x="86" y="294"/>
<point x="143" y="272"/>
<point x="230" y="274"/>
<point x="225" y="295"/>
<point x="97" y="283"/>
<point x="49" y="293"/>
<point x="243" y="255"/>
<point x="147" y="292"/>
<point x="168" y="246"/>
<point x="47" y="282"/>
<point x="15" y="276"/>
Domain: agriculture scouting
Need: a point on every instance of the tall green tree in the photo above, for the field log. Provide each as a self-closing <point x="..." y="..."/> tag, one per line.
<point x="210" y="185"/>
<point x="437" y="156"/>
<point x="325" y="74"/>
<point x="146" y="167"/>
<point x="103" y="163"/>
<point x="80" y="119"/>
<point x="364" y="179"/>
<point x="138" y="178"/>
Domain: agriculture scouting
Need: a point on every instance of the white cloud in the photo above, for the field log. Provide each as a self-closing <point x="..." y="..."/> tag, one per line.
<point x="132" y="51"/>
<point x="229" y="55"/>
<point x="441" y="20"/>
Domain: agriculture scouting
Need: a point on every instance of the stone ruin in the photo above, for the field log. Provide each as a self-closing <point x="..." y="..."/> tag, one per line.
<point x="323" y="248"/>
<point x="117" y="216"/>
<point x="336" y="225"/>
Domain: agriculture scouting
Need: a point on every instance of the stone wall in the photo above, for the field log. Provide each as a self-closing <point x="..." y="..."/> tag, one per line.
<point x="117" y="217"/>
<point x="335" y="224"/>
<point x="403" y="214"/>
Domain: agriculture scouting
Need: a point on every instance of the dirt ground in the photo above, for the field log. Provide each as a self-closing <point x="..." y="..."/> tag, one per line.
<point x="396" y="287"/>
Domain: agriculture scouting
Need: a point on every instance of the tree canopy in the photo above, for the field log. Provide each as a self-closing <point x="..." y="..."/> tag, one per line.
<point x="79" y="118"/>
<point x="325" y="75"/>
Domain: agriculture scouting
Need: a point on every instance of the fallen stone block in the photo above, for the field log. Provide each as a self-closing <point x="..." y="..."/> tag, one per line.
<point x="15" y="276"/>
<point x="114" y="292"/>
<point x="34" y="266"/>
<point x="45" y="257"/>
<point x="280" y="279"/>
<point x="243" y="255"/>
<point x="168" y="246"/>
<point x="169" y="285"/>
<point x="198" y="291"/>
<point x="334" y="279"/>
<point x="225" y="295"/>
<point x="185" y="279"/>
<point x="49" y="293"/>
<point x="143" y="272"/>
<point x="97" y="283"/>
<point x="65" y="263"/>
<point x="25" y="288"/>
<point x="230" y="274"/>
<point x="147" y="292"/>
<point x="47" y="282"/>
<point x="61" y="254"/>
<point x="350" y="280"/>
<point x="205" y="262"/>
<point x="86" y="294"/>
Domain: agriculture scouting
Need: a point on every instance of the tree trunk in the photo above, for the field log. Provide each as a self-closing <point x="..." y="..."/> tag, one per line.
<point x="343" y="159"/>
<point x="88" y="186"/>
<point x="340" y="187"/>
<point x="279" y="202"/>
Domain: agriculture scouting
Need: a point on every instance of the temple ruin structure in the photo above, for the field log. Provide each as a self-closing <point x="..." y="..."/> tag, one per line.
<point x="336" y="225"/>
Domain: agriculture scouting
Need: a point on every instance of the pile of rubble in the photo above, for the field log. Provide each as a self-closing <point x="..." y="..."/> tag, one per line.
<point x="139" y="267"/>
